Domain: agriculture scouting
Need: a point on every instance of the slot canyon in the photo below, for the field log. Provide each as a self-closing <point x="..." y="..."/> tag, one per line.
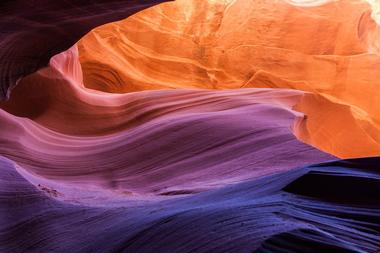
<point x="190" y="126"/>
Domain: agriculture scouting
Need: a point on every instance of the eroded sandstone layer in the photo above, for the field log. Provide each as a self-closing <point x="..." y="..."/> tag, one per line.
<point x="152" y="142"/>
<point x="186" y="127"/>
<point x="327" y="48"/>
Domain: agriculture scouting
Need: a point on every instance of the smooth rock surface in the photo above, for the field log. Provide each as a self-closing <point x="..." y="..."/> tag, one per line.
<point x="328" y="48"/>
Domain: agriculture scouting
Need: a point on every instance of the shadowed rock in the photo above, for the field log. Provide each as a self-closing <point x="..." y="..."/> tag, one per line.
<point x="33" y="31"/>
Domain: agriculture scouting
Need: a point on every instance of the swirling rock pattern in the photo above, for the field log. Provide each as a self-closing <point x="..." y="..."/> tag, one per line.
<point x="167" y="131"/>
<point x="329" y="48"/>
<point x="149" y="143"/>
<point x="287" y="212"/>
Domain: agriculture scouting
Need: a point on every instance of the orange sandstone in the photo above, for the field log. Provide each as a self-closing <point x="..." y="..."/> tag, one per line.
<point x="327" y="48"/>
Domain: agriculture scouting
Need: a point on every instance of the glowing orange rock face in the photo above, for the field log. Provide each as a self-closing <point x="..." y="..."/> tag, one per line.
<point x="328" y="48"/>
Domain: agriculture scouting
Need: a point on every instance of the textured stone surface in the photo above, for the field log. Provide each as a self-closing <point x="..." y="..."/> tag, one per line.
<point x="328" y="48"/>
<point x="151" y="142"/>
<point x="179" y="129"/>
<point x="287" y="212"/>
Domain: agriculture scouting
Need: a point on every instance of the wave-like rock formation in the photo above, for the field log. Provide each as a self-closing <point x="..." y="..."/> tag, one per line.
<point x="152" y="142"/>
<point x="181" y="128"/>
<point x="287" y="212"/>
<point x="329" y="48"/>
